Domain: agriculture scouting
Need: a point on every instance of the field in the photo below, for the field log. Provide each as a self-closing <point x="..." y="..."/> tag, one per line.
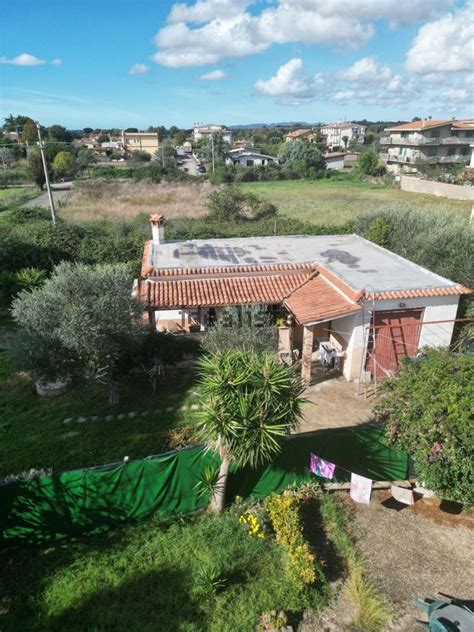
<point x="97" y="200"/>
<point x="337" y="201"/>
<point x="15" y="196"/>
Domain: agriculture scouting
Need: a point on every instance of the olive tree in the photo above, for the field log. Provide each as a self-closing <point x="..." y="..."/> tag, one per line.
<point x="79" y="324"/>
<point x="252" y="401"/>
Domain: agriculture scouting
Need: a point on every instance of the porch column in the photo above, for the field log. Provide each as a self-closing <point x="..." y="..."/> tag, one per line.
<point x="307" y="353"/>
<point x="151" y="318"/>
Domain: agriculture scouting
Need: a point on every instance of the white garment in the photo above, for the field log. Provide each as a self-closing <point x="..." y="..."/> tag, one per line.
<point x="403" y="495"/>
<point x="361" y="489"/>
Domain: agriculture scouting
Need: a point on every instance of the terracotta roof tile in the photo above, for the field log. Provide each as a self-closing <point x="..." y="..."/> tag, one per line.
<point x="262" y="286"/>
<point x="453" y="290"/>
<point x="320" y="299"/>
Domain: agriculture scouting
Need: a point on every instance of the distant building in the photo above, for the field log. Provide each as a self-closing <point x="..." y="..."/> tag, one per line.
<point x="341" y="134"/>
<point x="341" y="160"/>
<point x="142" y="141"/>
<point x="300" y="134"/>
<point x="428" y="142"/>
<point x="205" y="131"/>
<point x="248" y="158"/>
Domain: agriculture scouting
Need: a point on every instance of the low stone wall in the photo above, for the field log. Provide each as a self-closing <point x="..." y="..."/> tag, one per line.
<point x="441" y="189"/>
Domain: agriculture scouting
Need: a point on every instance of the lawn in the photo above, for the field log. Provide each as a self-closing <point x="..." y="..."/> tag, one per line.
<point x="34" y="434"/>
<point x="10" y="198"/>
<point x="192" y="573"/>
<point x="337" y="201"/>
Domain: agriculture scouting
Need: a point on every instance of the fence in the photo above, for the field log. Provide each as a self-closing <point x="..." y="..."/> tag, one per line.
<point x="92" y="500"/>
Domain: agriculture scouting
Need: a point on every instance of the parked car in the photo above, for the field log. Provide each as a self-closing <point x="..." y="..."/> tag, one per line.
<point x="201" y="168"/>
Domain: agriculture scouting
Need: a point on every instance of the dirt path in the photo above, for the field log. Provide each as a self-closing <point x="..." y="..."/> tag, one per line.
<point x="409" y="555"/>
<point x="60" y="192"/>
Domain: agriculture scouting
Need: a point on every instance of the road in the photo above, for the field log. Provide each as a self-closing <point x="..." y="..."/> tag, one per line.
<point x="60" y="190"/>
<point x="189" y="164"/>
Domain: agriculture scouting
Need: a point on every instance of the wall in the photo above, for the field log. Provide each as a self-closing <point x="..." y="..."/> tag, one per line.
<point x="441" y="189"/>
<point x="351" y="330"/>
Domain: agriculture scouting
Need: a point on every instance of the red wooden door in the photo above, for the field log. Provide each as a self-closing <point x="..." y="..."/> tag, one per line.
<point x="396" y="335"/>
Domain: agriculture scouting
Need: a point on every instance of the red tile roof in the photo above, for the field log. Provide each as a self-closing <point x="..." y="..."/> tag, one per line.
<point x="298" y="132"/>
<point x="453" y="290"/>
<point x="216" y="287"/>
<point x="430" y="123"/>
<point x="322" y="297"/>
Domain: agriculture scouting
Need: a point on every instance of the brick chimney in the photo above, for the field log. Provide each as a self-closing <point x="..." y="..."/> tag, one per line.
<point x="157" y="228"/>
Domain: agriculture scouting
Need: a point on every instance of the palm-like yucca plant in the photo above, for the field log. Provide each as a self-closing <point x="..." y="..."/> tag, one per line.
<point x="252" y="401"/>
<point x="30" y="278"/>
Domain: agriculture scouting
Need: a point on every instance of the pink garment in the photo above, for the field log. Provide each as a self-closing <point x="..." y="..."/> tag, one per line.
<point x="320" y="467"/>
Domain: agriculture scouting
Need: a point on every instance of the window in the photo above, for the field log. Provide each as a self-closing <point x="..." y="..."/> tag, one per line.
<point x="434" y="133"/>
<point x="465" y="151"/>
<point x="404" y="134"/>
<point x="451" y="151"/>
<point x="470" y="134"/>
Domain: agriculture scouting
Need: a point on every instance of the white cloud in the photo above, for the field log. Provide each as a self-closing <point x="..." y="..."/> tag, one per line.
<point x="366" y="70"/>
<point x="206" y="10"/>
<point x="343" y="95"/>
<point x="456" y="95"/>
<point x="205" y="31"/>
<point x="138" y="69"/>
<point x="289" y="85"/>
<point x="25" y="59"/>
<point x="444" y="45"/>
<point x="214" y="75"/>
<point x="56" y="61"/>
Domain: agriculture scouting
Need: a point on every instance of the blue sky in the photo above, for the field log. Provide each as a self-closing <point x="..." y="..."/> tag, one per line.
<point x="121" y="63"/>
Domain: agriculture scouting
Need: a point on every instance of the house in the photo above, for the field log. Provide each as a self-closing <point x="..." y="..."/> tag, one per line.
<point x="140" y="141"/>
<point x="341" y="134"/>
<point x="300" y="134"/>
<point x="205" y="131"/>
<point x="372" y="306"/>
<point x="248" y="158"/>
<point x="340" y="160"/>
<point x="430" y="142"/>
<point x="243" y="144"/>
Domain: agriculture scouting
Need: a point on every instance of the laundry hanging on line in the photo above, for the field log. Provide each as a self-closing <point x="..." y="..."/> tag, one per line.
<point x="361" y="489"/>
<point x="320" y="467"/>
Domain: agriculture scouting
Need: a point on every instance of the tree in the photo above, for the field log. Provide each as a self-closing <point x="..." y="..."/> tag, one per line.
<point x="368" y="164"/>
<point x="36" y="169"/>
<point x="103" y="138"/>
<point x="79" y="324"/>
<point x="230" y="203"/>
<point x="29" y="133"/>
<point x="64" y="164"/>
<point x="241" y="328"/>
<point x="252" y="402"/>
<point x="7" y="156"/>
<point x="320" y="141"/>
<point x="85" y="157"/>
<point x="59" y="134"/>
<point x="302" y="158"/>
<point x="427" y="412"/>
<point x="132" y="129"/>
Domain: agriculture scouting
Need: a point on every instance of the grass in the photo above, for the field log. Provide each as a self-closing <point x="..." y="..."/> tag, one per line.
<point x="14" y="197"/>
<point x="202" y="572"/>
<point x="372" y="611"/>
<point x="338" y="201"/>
<point x="33" y="434"/>
<point x="96" y="200"/>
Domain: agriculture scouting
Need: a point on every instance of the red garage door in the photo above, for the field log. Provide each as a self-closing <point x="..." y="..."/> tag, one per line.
<point x="396" y="335"/>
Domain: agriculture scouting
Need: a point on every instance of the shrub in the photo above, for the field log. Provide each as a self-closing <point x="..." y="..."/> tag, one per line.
<point x="427" y="411"/>
<point x="283" y="511"/>
<point x="8" y="286"/>
<point x="379" y="231"/>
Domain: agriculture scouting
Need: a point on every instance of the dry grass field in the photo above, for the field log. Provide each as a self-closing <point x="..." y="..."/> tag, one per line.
<point x="98" y="200"/>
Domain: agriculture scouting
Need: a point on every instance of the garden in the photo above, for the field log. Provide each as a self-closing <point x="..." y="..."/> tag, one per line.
<point x="258" y="564"/>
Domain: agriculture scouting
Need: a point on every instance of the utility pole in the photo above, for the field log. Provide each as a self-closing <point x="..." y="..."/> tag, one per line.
<point x="212" y="151"/>
<point x="46" y="174"/>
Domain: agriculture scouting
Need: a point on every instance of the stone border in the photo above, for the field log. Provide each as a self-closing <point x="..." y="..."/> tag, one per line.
<point x="133" y="414"/>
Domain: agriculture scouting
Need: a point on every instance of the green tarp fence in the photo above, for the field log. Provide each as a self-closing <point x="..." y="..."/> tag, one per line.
<point x="70" y="504"/>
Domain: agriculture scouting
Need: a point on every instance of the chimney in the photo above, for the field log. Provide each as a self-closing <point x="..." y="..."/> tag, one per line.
<point x="157" y="228"/>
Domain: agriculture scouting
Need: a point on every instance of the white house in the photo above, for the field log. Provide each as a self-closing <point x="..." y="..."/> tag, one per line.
<point x="341" y="134"/>
<point x="248" y="158"/>
<point x="373" y="306"/>
<point x="205" y="131"/>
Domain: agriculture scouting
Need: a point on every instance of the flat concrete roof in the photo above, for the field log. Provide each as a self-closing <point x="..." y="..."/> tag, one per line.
<point x="358" y="262"/>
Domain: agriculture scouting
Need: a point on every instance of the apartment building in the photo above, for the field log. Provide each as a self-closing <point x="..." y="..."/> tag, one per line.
<point x="205" y="131"/>
<point x="140" y="141"/>
<point x="429" y="141"/>
<point x="342" y="134"/>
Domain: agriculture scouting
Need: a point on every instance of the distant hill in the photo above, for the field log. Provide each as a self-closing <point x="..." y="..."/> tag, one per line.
<point x="283" y="124"/>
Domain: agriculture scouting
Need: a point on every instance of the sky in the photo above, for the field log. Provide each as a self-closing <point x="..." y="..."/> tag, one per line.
<point x="136" y="63"/>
